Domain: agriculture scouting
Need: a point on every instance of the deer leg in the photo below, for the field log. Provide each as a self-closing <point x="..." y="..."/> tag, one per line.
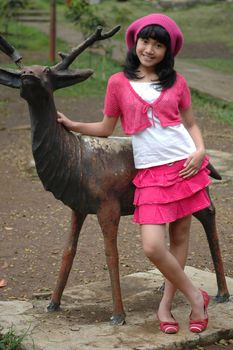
<point x="69" y="252"/>
<point x="109" y="217"/>
<point x="208" y="221"/>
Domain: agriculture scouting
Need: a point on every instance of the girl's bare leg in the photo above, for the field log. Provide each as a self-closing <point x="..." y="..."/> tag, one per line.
<point x="154" y="245"/>
<point x="179" y="242"/>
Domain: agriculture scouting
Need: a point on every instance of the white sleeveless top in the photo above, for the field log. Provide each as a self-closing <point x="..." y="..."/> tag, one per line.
<point x="157" y="145"/>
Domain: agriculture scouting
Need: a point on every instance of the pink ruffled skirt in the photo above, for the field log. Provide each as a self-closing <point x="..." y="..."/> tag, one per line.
<point x="162" y="196"/>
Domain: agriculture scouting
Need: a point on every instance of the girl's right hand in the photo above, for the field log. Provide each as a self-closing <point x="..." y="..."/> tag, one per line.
<point x="193" y="164"/>
<point x="68" y="123"/>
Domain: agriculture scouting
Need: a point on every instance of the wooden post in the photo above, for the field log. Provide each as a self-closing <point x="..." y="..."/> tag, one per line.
<point x="52" y="44"/>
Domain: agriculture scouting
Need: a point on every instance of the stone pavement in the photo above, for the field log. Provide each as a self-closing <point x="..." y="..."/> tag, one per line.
<point x="83" y="322"/>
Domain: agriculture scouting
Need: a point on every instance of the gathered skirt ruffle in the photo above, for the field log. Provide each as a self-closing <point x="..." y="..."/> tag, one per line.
<point x="162" y="196"/>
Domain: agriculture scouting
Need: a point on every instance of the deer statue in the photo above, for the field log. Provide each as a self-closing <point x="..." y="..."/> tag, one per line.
<point x="91" y="175"/>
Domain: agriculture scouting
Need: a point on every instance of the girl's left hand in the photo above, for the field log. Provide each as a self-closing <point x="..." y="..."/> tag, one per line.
<point x="192" y="164"/>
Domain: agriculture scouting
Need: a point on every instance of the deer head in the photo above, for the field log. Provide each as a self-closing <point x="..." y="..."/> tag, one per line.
<point x="49" y="79"/>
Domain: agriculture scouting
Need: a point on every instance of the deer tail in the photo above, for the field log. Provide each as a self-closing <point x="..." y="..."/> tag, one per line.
<point x="213" y="172"/>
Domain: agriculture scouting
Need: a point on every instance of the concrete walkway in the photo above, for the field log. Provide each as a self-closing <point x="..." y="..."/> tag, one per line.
<point x="83" y="322"/>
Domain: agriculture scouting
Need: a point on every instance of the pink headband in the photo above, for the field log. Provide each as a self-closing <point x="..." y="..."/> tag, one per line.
<point x="164" y="21"/>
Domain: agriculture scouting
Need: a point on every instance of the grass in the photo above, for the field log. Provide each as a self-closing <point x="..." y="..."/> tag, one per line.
<point x="213" y="107"/>
<point x="206" y="24"/>
<point x="210" y="24"/>
<point x="123" y="12"/>
<point x="200" y="24"/>
<point x="28" y="38"/>
<point x="11" y="341"/>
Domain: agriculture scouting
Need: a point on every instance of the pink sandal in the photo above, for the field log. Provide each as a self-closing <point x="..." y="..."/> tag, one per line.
<point x="168" y="327"/>
<point x="198" y="326"/>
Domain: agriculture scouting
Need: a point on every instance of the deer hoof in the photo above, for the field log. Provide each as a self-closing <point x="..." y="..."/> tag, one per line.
<point x="52" y="307"/>
<point x="222" y="298"/>
<point x="118" y="320"/>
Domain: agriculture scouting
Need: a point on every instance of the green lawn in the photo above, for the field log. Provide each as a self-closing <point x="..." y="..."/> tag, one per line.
<point x="213" y="107"/>
<point x="207" y="24"/>
<point x="210" y="24"/>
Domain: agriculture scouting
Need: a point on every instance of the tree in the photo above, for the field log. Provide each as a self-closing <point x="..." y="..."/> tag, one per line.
<point x="82" y="13"/>
<point x="8" y="10"/>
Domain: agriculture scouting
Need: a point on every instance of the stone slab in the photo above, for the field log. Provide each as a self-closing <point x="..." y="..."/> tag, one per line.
<point x="83" y="321"/>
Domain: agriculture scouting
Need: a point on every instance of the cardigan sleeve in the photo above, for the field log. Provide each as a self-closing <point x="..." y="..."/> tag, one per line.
<point x="111" y="104"/>
<point x="185" y="98"/>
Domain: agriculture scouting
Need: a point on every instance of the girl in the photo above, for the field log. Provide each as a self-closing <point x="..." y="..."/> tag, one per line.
<point x="154" y="105"/>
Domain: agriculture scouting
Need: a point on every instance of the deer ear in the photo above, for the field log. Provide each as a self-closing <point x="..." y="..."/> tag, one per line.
<point x="64" y="78"/>
<point x="10" y="77"/>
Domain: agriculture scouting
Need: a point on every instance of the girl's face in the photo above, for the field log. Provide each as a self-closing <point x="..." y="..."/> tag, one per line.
<point x="150" y="52"/>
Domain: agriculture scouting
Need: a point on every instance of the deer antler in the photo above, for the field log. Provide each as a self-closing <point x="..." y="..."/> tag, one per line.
<point x="10" y="51"/>
<point x="67" y="59"/>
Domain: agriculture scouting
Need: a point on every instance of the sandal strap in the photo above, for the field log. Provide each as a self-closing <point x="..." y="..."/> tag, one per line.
<point x="169" y="327"/>
<point x="197" y="326"/>
<point x="206" y="298"/>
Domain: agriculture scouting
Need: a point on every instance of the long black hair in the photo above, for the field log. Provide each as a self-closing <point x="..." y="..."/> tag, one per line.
<point x="164" y="69"/>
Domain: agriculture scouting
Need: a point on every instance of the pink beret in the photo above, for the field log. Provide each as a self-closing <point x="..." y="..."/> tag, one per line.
<point x="164" y="21"/>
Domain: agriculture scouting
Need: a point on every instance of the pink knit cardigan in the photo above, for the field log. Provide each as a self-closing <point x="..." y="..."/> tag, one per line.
<point x="122" y="101"/>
